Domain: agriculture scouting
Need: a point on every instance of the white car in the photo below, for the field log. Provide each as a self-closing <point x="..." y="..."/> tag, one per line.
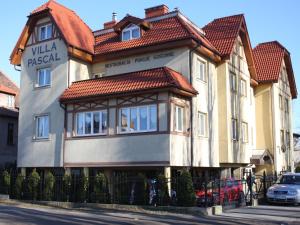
<point x="286" y="189"/>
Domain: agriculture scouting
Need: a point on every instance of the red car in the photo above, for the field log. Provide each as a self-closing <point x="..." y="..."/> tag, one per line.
<point x="230" y="190"/>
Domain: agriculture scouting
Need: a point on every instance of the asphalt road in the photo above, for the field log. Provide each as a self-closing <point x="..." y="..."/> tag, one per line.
<point x="33" y="214"/>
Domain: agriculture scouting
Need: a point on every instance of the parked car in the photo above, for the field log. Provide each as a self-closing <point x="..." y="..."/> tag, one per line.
<point x="229" y="190"/>
<point x="286" y="189"/>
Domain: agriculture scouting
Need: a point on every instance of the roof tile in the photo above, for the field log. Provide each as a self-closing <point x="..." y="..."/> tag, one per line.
<point x="128" y="83"/>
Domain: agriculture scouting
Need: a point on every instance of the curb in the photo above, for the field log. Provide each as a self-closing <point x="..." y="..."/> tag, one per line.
<point x="159" y="210"/>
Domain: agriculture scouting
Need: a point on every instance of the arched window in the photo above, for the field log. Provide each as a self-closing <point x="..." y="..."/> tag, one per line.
<point x="132" y="31"/>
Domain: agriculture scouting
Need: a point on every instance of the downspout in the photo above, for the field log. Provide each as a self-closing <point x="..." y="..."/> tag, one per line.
<point x="191" y="103"/>
<point x="273" y="128"/>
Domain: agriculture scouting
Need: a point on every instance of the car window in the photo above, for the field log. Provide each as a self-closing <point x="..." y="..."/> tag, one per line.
<point x="289" y="179"/>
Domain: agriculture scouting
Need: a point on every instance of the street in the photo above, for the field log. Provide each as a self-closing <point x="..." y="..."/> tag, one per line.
<point x="34" y="214"/>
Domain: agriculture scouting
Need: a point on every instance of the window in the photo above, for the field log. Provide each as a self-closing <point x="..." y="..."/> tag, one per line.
<point x="43" y="78"/>
<point x="138" y="119"/>
<point x="287" y="138"/>
<point x="201" y="70"/>
<point x="42" y="126"/>
<point x="280" y="101"/>
<point x="243" y="88"/>
<point x="10" y="134"/>
<point x="45" y="32"/>
<point x="281" y="137"/>
<point x="91" y="123"/>
<point x="131" y="32"/>
<point x="202" y="124"/>
<point x="232" y="82"/>
<point x="10" y="101"/>
<point x="244" y="132"/>
<point x="179" y="117"/>
<point x="234" y="129"/>
<point x="286" y="105"/>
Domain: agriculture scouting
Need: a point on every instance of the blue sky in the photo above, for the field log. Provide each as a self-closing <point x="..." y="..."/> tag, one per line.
<point x="266" y="20"/>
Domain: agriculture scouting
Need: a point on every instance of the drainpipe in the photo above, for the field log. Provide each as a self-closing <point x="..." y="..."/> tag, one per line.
<point x="273" y="129"/>
<point x="191" y="102"/>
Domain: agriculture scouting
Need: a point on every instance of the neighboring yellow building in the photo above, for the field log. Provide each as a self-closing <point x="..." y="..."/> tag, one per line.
<point x="273" y="99"/>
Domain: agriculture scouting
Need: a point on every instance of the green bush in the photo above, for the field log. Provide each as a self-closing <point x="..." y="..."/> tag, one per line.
<point x="185" y="190"/>
<point x="140" y="190"/>
<point x="6" y="182"/>
<point x="163" y="194"/>
<point x="18" y="187"/>
<point x="33" y="184"/>
<point x="67" y="182"/>
<point x="297" y="170"/>
<point x="100" y="194"/>
<point x="49" y="186"/>
<point x="83" y="188"/>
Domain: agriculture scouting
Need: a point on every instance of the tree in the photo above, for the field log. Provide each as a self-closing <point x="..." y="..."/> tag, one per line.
<point x="18" y="187"/>
<point x="83" y="187"/>
<point x="163" y="194"/>
<point x="67" y="187"/>
<point x="33" y="183"/>
<point x="101" y="194"/>
<point x="6" y="181"/>
<point x="49" y="186"/>
<point x="185" y="191"/>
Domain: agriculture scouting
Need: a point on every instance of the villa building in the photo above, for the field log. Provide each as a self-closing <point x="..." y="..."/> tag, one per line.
<point x="152" y="94"/>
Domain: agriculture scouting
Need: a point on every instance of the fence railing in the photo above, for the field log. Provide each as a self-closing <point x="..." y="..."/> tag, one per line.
<point x="137" y="190"/>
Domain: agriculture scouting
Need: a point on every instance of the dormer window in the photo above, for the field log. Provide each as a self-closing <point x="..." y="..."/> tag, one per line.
<point x="45" y="32"/>
<point x="131" y="32"/>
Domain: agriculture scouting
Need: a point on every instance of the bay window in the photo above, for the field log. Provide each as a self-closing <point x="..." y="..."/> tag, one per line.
<point x="138" y="119"/>
<point x="91" y="123"/>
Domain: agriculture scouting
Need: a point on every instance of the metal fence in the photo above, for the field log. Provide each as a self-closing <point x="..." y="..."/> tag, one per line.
<point x="138" y="190"/>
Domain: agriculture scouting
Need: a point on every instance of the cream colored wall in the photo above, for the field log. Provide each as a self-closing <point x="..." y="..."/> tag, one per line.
<point x="79" y="70"/>
<point x="234" y="151"/>
<point x="205" y="149"/>
<point x="4" y="99"/>
<point x="177" y="60"/>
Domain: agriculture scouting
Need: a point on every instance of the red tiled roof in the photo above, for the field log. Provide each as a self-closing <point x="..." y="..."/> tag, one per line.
<point x="268" y="59"/>
<point x="74" y="30"/>
<point x="222" y="33"/>
<point x="9" y="87"/>
<point x="7" y="90"/>
<point x="162" y="31"/>
<point x="128" y="83"/>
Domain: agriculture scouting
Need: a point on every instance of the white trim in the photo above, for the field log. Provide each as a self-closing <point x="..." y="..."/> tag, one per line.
<point x="130" y="28"/>
<point x="177" y="118"/>
<point x="46" y="30"/>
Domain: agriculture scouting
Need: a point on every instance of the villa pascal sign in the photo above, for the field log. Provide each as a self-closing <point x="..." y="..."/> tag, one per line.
<point x="43" y="54"/>
<point x="139" y="59"/>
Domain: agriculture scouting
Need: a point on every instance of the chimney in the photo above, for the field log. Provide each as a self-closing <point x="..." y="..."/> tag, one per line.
<point x="156" y="11"/>
<point x="112" y="23"/>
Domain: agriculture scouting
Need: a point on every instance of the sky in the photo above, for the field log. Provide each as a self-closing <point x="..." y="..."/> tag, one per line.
<point x="266" y="20"/>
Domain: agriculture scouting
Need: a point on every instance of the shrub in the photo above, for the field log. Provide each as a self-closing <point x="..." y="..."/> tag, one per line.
<point x="49" y="186"/>
<point x="33" y="183"/>
<point x="185" y="190"/>
<point x="297" y="170"/>
<point x="67" y="182"/>
<point x="163" y="194"/>
<point x="83" y="188"/>
<point x="18" y="188"/>
<point x="6" y="182"/>
<point x="100" y="194"/>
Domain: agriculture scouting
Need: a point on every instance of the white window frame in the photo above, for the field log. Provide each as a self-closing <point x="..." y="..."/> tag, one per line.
<point x="201" y="70"/>
<point x="243" y="87"/>
<point x="47" y="36"/>
<point x="244" y="132"/>
<point x="38" y="119"/>
<point x="130" y="28"/>
<point x="234" y="129"/>
<point x="101" y="132"/>
<point x="179" y="120"/>
<point x="202" y="123"/>
<point x="138" y="130"/>
<point x="233" y="83"/>
<point x="44" y="71"/>
<point x="10" y="101"/>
